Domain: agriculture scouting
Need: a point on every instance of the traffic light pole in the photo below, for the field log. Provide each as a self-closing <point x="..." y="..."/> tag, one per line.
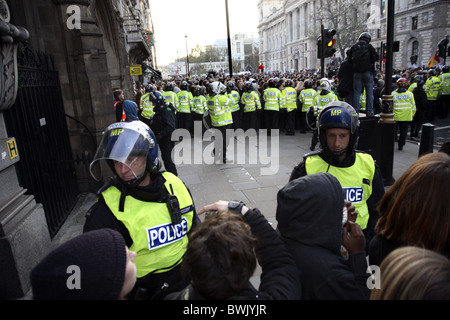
<point x="385" y="130"/>
<point x="322" y="52"/>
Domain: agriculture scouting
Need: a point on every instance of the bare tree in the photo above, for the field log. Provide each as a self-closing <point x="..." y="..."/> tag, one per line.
<point x="348" y="18"/>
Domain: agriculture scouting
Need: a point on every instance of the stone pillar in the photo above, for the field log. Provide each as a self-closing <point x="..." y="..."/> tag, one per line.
<point x="24" y="236"/>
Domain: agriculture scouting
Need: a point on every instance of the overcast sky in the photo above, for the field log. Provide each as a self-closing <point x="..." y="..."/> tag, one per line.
<point x="203" y="21"/>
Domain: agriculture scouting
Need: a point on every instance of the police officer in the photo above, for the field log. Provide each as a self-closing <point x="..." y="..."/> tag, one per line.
<point x="360" y="177"/>
<point x="153" y="210"/>
<point x="306" y="99"/>
<point x="146" y="106"/>
<point x="199" y="106"/>
<point x="163" y="124"/>
<point x="404" y="108"/>
<point x="432" y="87"/>
<point x="322" y="99"/>
<point x="444" y="92"/>
<point x="219" y="108"/>
<point x="290" y="104"/>
<point x="185" y="105"/>
<point x="170" y="97"/>
<point x="251" y="103"/>
<point x="272" y="101"/>
<point x="235" y="107"/>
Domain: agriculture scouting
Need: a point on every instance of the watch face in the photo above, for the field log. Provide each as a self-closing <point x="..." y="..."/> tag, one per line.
<point x="233" y="204"/>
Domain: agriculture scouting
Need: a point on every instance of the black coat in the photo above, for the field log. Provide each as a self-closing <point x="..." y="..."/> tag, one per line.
<point x="309" y="216"/>
<point x="345" y="76"/>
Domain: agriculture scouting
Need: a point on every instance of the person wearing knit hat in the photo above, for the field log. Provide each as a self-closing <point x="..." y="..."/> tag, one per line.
<point x="96" y="265"/>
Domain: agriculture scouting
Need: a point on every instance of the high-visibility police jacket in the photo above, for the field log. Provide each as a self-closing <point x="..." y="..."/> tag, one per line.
<point x="219" y="110"/>
<point x="251" y="101"/>
<point x="185" y="101"/>
<point x="432" y="87"/>
<point x="234" y="96"/>
<point x="362" y="101"/>
<point x="404" y="106"/>
<point x="273" y="99"/>
<point x="412" y="87"/>
<point x="171" y="97"/>
<point x="445" y="84"/>
<point x="322" y="100"/>
<point x="307" y="97"/>
<point x="356" y="180"/>
<point x="124" y="115"/>
<point x="199" y="104"/>
<point x="290" y="98"/>
<point x="146" y="106"/>
<point x="159" y="244"/>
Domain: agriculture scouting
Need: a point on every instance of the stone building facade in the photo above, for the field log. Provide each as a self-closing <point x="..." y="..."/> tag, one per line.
<point x="289" y="30"/>
<point x="61" y="61"/>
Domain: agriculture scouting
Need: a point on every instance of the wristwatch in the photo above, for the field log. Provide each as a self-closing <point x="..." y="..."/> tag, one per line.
<point x="235" y="206"/>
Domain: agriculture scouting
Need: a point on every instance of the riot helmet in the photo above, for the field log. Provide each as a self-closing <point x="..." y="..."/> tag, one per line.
<point x="157" y="98"/>
<point x="365" y="36"/>
<point x="338" y="114"/>
<point x="402" y="83"/>
<point x="308" y="84"/>
<point x="133" y="144"/>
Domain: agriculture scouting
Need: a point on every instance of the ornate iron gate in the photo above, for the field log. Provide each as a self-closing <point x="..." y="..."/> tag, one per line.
<point x="37" y="121"/>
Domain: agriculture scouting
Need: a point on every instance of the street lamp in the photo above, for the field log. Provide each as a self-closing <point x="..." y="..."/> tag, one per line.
<point x="187" y="57"/>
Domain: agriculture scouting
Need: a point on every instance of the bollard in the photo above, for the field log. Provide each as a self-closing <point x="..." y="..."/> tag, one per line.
<point x="427" y="139"/>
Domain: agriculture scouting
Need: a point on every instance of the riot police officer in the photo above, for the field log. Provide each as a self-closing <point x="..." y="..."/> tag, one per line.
<point x="152" y="210"/>
<point x="360" y="177"/>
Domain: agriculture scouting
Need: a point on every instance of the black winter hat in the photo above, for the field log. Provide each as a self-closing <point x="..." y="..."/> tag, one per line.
<point x="98" y="258"/>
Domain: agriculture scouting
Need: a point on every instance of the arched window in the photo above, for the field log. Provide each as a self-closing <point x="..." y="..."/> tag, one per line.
<point x="415" y="48"/>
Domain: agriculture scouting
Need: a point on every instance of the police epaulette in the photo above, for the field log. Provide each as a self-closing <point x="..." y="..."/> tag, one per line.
<point x="312" y="153"/>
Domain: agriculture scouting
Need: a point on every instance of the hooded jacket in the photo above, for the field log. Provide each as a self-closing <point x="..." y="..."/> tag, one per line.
<point x="309" y="215"/>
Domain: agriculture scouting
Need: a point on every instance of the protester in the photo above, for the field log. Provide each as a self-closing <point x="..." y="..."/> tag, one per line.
<point x="363" y="56"/>
<point x="413" y="273"/>
<point x="415" y="210"/>
<point x="223" y="252"/>
<point x="96" y="265"/>
<point x="313" y="225"/>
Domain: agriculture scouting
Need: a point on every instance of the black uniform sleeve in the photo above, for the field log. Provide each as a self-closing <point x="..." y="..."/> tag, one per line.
<point x="298" y="171"/>
<point x="280" y="277"/>
<point x="119" y="111"/>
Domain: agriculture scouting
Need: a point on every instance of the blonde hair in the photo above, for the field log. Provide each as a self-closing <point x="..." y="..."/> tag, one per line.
<point x="413" y="273"/>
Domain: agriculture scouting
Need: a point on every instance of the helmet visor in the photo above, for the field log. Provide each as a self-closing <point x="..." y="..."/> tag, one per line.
<point x="127" y="149"/>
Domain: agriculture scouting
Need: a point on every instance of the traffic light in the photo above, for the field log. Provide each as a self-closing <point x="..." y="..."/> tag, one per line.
<point x="383" y="49"/>
<point x="328" y="42"/>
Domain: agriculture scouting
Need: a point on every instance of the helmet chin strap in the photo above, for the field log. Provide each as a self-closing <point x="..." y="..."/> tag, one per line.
<point x="136" y="181"/>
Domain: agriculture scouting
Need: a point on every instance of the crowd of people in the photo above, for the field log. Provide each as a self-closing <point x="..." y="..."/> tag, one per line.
<point x="144" y="239"/>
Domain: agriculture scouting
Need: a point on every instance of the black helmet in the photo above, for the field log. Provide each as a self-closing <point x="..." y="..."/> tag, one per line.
<point x="338" y="114"/>
<point x="445" y="69"/>
<point x="272" y="83"/>
<point x="289" y="83"/>
<point x="168" y="86"/>
<point x="148" y="88"/>
<point x="308" y="84"/>
<point x="248" y="86"/>
<point x="184" y="85"/>
<point x="366" y="36"/>
<point x="122" y="141"/>
<point x="157" y="98"/>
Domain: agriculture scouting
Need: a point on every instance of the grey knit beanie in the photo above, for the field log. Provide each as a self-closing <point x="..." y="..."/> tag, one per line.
<point x="88" y="267"/>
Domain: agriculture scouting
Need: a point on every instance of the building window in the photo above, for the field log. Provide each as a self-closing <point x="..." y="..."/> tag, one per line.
<point x="415" y="21"/>
<point x="415" y="48"/>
